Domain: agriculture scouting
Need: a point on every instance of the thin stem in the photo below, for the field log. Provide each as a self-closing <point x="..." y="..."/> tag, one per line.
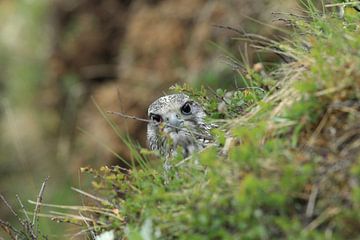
<point x="37" y="206"/>
<point x="157" y="124"/>
<point x="342" y="4"/>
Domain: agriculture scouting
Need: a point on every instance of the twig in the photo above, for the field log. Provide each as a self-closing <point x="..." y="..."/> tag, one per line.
<point x="104" y="211"/>
<point x="101" y="200"/>
<point x="312" y="200"/>
<point x="87" y="230"/>
<point x="266" y="44"/>
<point x="37" y="206"/>
<point x="8" y="228"/>
<point x="156" y="123"/>
<point x="5" y="227"/>
<point x="342" y="4"/>
<point x="319" y="128"/>
<point x="264" y="41"/>
<point x="82" y="232"/>
<point x="23" y="208"/>
<point x="129" y="116"/>
<point x="247" y="88"/>
<point x="27" y="223"/>
<point x="328" y="213"/>
<point x="74" y="207"/>
<point x="9" y="206"/>
<point x="88" y="225"/>
<point x="241" y="31"/>
<point x="287" y="22"/>
<point x="234" y="64"/>
<point x="331" y="90"/>
<point x="289" y="14"/>
<point x="72" y="216"/>
<point x="64" y="218"/>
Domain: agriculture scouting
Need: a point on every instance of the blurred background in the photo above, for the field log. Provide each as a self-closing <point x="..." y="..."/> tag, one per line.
<point x="56" y="56"/>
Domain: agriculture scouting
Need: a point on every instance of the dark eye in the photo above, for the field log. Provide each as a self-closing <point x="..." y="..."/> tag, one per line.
<point x="186" y="108"/>
<point x="156" y="118"/>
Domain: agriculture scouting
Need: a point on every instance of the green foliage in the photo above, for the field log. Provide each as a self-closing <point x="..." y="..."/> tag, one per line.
<point x="221" y="103"/>
<point x="28" y="149"/>
<point x="283" y="160"/>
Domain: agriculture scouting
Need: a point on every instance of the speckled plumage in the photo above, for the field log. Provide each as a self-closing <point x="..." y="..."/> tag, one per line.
<point x="177" y="121"/>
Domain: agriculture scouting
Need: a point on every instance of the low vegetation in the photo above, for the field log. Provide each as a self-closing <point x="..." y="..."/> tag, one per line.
<point x="286" y="162"/>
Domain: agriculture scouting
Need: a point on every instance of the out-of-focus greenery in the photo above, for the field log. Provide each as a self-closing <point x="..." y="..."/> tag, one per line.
<point x="286" y="168"/>
<point x="26" y="155"/>
<point x="24" y="48"/>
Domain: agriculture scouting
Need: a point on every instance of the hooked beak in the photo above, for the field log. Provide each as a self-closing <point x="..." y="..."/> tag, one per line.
<point x="174" y="121"/>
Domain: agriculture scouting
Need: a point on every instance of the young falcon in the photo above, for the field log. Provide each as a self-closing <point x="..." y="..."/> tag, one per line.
<point x="177" y="121"/>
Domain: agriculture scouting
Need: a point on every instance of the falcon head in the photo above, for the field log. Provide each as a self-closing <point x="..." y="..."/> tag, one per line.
<point x="176" y="121"/>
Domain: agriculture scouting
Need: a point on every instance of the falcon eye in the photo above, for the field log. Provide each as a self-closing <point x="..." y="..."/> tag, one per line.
<point x="186" y="108"/>
<point x="156" y="118"/>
